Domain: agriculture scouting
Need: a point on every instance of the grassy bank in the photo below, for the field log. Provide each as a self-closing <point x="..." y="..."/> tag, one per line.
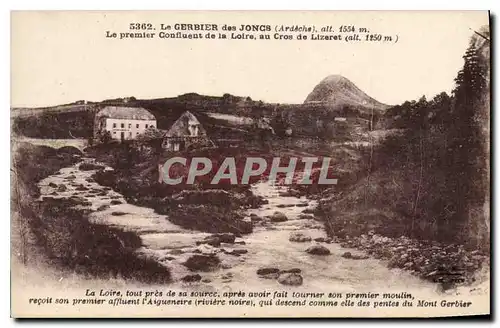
<point x="60" y="231"/>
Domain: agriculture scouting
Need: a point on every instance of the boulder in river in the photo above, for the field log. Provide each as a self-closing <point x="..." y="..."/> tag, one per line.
<point x="115" y="202"/>
<point x="90" y="166"/>
<point x="102" y="207"/>
<point x="255" y="218"/>
<point x="318" y="250"/>
<point x="237" y="252"/>
<point x="52" y="185"/>
<point x="293" y="270"/>
<point x="290" y="279"/>
<point x="290" y="193"/>
<point x="200" y="262"/>
<point x="349" y="255"/>
<point x="225" y="237"/>
<point x="212" y="241"/>
<point x="191" y="278"/>
<point x="216" y="239"/>
<point x="62" y="188"/>
<point x="299" y="237"/>
<point x="263" y="271"/>
<point x="278" y="217"/>
<point x="306" y="217"/>
<point x="118" y="213"/>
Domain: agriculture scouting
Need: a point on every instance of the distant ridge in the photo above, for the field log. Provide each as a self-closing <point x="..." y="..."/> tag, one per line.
<point x="337" y="90"/>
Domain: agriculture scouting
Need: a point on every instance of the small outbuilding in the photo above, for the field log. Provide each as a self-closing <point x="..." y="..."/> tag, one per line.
<point x="186" y="132"/>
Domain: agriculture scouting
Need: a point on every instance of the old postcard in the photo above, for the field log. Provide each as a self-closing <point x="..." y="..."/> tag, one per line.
<point x="250" y="164"/>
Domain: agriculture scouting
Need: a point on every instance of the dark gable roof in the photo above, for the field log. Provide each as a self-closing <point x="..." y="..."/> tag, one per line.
<point x="130" y="113"/>
<point x="179" y="127"/>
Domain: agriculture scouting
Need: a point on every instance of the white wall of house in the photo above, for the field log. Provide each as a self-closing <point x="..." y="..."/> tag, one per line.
<point x="130" y="128"/>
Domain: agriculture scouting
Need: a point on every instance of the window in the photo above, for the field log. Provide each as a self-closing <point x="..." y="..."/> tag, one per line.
<point x="129" y="125"/>
<point x="152" y="125"/>
<point x="114" y="132"/>
<point x="114" y="125"/>
<point x="137" y="126"/>
<point x="146" y="126"/>
<point x="130" y="134"/>
<point x="123" y="125"/>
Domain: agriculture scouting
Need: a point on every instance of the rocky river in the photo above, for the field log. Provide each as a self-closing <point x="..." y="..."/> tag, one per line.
<point x="276" y="246"/>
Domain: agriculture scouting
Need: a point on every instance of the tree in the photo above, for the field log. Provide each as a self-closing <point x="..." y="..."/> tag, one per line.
<point x="105" y="137"/>
<point x="153" y="137"/>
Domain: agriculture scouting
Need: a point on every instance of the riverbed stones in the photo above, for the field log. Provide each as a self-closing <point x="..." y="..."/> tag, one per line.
<point x="52" y="185"/>
<point x="318" y="250"/>
<point x="299" y="237"/>
<point x="278" y="217"/>
<point x="290" y="279"/>
<point x="200" y="262"/>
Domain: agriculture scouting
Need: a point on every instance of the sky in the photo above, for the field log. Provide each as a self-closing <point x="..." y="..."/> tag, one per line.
<point x="61" y="57"/>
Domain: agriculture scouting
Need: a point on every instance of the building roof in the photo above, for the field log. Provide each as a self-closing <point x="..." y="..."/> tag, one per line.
<point x="121" y="112"/>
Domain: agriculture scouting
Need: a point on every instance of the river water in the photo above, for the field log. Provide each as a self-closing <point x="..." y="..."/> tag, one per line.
<point x="267" y="246"/>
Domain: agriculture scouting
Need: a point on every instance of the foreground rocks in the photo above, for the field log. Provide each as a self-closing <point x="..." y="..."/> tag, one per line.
<point x="446" y="264"/>
<point x="290" y="279"/>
